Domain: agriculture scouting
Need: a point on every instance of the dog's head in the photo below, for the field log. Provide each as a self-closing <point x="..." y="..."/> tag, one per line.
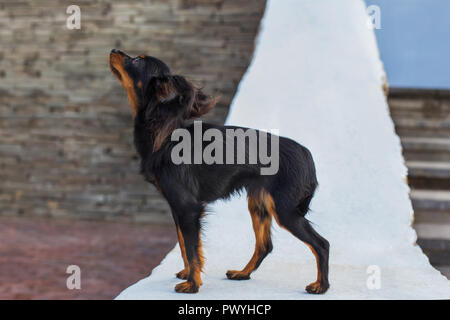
<point x="166" y="98"/>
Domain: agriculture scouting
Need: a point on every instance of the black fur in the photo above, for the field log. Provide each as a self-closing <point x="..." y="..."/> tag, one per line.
<point x="166" y="102"/>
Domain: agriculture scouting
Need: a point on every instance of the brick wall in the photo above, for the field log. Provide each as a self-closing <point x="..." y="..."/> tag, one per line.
<point x="65" y="126"/>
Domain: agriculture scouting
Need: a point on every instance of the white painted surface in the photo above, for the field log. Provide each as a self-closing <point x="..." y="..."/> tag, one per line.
<point x="316" y="76"/>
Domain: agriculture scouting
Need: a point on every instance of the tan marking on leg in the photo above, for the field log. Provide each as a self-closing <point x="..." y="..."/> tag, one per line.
<point x="194" y="280"/>
<point x="319" y="274"/>
<point x="315" y="287"/>
<point x="199" y="262"/>
<point x="270" y="205"/>
<point x="261" y="228"/>
<point x="183" y="274"/>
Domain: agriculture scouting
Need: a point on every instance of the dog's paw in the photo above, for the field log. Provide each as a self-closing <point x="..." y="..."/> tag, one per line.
<point x="186" y="287"/>
<point x="183" y="274"/>
<point x="317" y="288"/>
<point x="237" y="275"/>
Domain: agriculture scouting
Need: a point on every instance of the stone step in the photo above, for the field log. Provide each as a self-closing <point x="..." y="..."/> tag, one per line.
<point x="426" y="102"/>
<point x="429" y="169"/>
<point x="437" y="250"/>
<point x="426" y="148"/>
<point x="434" y="239"/>
<point x="426" y="155"/>
<point x="435" y="200"/>
<point x="417" y="113"/>
<point x="423" y="132"/>
<point x="435" y="231"/>
<point x="424" y="106"/>
<point x="431" y="216"/>
<point x="423" y="123"/>
<point x="430" y="175"/>
<point x="426" y="143"/>
<point x="432" y="223"/>
<point x="444" y="269"/>
<point x="415" y="94"/>
<point x="431" y="128"/>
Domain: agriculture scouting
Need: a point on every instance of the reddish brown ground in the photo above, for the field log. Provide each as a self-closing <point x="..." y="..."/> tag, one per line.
<point x="34" y="255"/>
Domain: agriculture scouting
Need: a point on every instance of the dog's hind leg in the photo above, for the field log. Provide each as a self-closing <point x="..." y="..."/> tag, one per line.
<point x="262" y="222"/>
<point x="295" y="222"/>
<point x="319" y="246"/>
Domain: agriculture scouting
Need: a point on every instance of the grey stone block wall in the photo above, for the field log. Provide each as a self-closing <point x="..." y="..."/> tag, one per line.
<point x="65" y="125"/>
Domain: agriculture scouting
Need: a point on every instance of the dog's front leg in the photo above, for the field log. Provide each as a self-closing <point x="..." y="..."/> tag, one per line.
<point x="189" y="232"/>
<point x="183" y="274"/>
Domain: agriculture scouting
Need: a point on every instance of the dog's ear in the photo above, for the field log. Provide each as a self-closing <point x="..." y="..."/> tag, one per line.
<point x="164" y="89"/>
<point x="202" y="104"/>
<point x="191" y="98"/>
<point x="163" y="130"/>
<point x="175" y="99"/>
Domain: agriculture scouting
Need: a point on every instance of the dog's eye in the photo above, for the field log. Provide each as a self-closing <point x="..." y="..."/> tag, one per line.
<point x="135" y="61"/>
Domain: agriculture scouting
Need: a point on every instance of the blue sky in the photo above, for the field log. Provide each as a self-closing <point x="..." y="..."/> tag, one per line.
<point x="414" y="42"/>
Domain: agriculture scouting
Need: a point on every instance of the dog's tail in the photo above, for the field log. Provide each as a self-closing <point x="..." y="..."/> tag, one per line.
<point x="303" y="205"/>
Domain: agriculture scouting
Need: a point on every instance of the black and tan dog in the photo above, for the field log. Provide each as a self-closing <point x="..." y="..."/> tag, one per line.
<point x="162" y="102"/>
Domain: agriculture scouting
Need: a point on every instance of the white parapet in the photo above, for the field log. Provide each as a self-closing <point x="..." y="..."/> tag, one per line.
<point x="317" y="77"/>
